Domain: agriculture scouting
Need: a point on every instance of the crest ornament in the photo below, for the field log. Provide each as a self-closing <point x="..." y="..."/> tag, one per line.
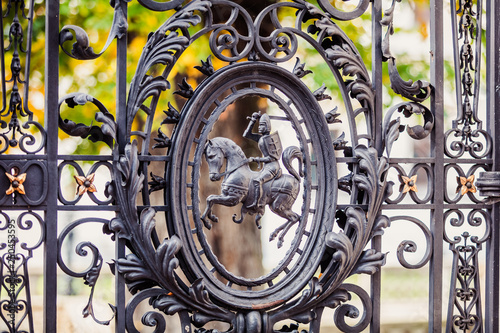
<point x="288" y="181"/>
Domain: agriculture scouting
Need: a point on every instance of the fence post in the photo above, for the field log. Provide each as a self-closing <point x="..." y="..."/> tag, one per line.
<point x="437" y="149"/>
<point x="493" y="118"/>
<point x="51" y="125"/>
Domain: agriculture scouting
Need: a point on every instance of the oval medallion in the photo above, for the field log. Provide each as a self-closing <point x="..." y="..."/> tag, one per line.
<point x="290" y="184"/>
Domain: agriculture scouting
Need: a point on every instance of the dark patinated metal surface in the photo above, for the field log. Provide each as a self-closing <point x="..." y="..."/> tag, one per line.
<point x="347" y="147"/>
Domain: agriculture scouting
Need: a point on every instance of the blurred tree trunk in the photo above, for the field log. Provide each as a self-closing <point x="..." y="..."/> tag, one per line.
<point x="238" y="246"/>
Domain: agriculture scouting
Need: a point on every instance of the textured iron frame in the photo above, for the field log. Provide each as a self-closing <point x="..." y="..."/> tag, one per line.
<point x="339" y="235"/>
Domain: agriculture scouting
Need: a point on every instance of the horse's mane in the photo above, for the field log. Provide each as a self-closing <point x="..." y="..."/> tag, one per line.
<point x="228" y="145"/>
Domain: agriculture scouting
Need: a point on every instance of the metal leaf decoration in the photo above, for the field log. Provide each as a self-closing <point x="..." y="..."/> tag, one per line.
<point x="105" y="133"/>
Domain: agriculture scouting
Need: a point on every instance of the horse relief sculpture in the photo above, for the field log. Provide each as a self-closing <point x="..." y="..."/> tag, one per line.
<point x="255" y="189"/>
<point x="298" y="180"/>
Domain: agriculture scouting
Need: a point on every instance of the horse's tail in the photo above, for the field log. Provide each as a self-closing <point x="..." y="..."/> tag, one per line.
<point x="288" y="155"/>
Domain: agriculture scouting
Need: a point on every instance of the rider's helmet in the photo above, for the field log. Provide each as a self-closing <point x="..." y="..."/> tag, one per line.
<point x="264" y="124"/>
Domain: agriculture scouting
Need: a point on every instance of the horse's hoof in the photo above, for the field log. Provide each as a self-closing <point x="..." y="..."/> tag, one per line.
<point x="207" y="224"/>
<point x="280" y="243"/>
<point x="272" y="236"/>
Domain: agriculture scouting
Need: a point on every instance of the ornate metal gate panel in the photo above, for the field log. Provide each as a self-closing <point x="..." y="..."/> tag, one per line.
<point x="323" y="176"/>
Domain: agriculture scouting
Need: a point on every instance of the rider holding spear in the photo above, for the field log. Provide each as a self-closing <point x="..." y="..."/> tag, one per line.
<point x="271" y="149"/>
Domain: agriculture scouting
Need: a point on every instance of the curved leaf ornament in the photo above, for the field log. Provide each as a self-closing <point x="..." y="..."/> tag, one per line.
<point x="105" y="133"/>
<point x="150" y="269"/>
<point x="417" y="91"/>
<point x="149" y="266"/>
<point x="81" y="48"/>
<point x="392" y="127"/>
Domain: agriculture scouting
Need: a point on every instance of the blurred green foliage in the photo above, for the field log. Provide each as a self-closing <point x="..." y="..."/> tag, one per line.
<point x="97" y="77"/>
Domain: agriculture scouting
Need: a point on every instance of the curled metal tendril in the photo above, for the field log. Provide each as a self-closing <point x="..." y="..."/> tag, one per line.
<point x="227" y="39"/>
<point x="105" y="133"/>
<point x="81" y="48"/>
<point x="348" y="310"/>
<point x="468" y="142"/>
<point x="475" y="221"/>
<point x="327" y="6"/>
<point x="151" y="318"/>
<point x="25" y="223"/>
<point x="417" y="91"/>
<point x="411" y="246"/>
<point x="475" y="218"/>
<point x="90" y="275"/>
<point x="281" y="44"/>
<point x="80" y="172"/>
<point x="392" y="128"/>
<point x="26" y="141"/>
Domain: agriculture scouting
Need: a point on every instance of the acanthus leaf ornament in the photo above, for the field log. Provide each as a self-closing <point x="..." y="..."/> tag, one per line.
<point x="299" y="70"/>
<point x="417" y="91"/>
<point x="81" y="48"/>
<point x="162" y="140"/>
<point x="150" y="269"/>
<point x="320" y="93"/>
<point x="206" y="67"/>
<point x="172" y="114"/>
<point x="392" y="127"/>
<point x="105" y="133"/>
<point x="332" y="116"/>
<point x="185" y="89"/>
<point x="157" y="183"/>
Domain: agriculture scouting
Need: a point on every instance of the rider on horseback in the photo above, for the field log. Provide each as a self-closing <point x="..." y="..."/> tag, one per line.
<point x="270" y="146"/>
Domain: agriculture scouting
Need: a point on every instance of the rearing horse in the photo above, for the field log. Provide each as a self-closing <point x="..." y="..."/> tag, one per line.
<point x="279" y="193"/>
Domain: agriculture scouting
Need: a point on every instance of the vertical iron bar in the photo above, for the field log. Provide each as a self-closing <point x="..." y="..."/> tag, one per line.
<point x="493" y="118"/>
<point x="376" y="279"/>
<point x="51" y="125"/>
<point x="121" y="118"/>
<point x="437" y="149"/>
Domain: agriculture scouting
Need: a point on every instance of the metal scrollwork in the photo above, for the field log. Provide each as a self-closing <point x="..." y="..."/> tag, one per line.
<point x="309" y="168"/>
<point x="410" y="246"/>
<point x="81" y="49"/>
<point x="350" y="311"/>
<point x="392" y="128"/>
<point x="464" y="310"/>
<point x="408" y="184"/>
<point x="19" y="133"/>
<point x="105" y="133"/>
<point x="84" y="183"/>
<point x="14" y="274"/>
<point x="467" y="127"/>
<point x="30" y="177"/>
<point x="464" y="183"/>
<point x="477" y="143"/>
<point x="341" y="15"/>
<point x="417" y="91"/>
<point x="90" y="275"/>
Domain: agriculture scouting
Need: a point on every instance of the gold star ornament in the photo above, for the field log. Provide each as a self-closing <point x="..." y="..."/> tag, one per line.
<point x="466" y="185"/>
<point x="85" y="184"/>
<point x="16" y="183"/>
<point x="409" y="183"/>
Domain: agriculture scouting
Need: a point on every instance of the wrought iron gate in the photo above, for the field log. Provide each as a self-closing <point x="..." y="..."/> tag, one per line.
<point x="328" y="184"/>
